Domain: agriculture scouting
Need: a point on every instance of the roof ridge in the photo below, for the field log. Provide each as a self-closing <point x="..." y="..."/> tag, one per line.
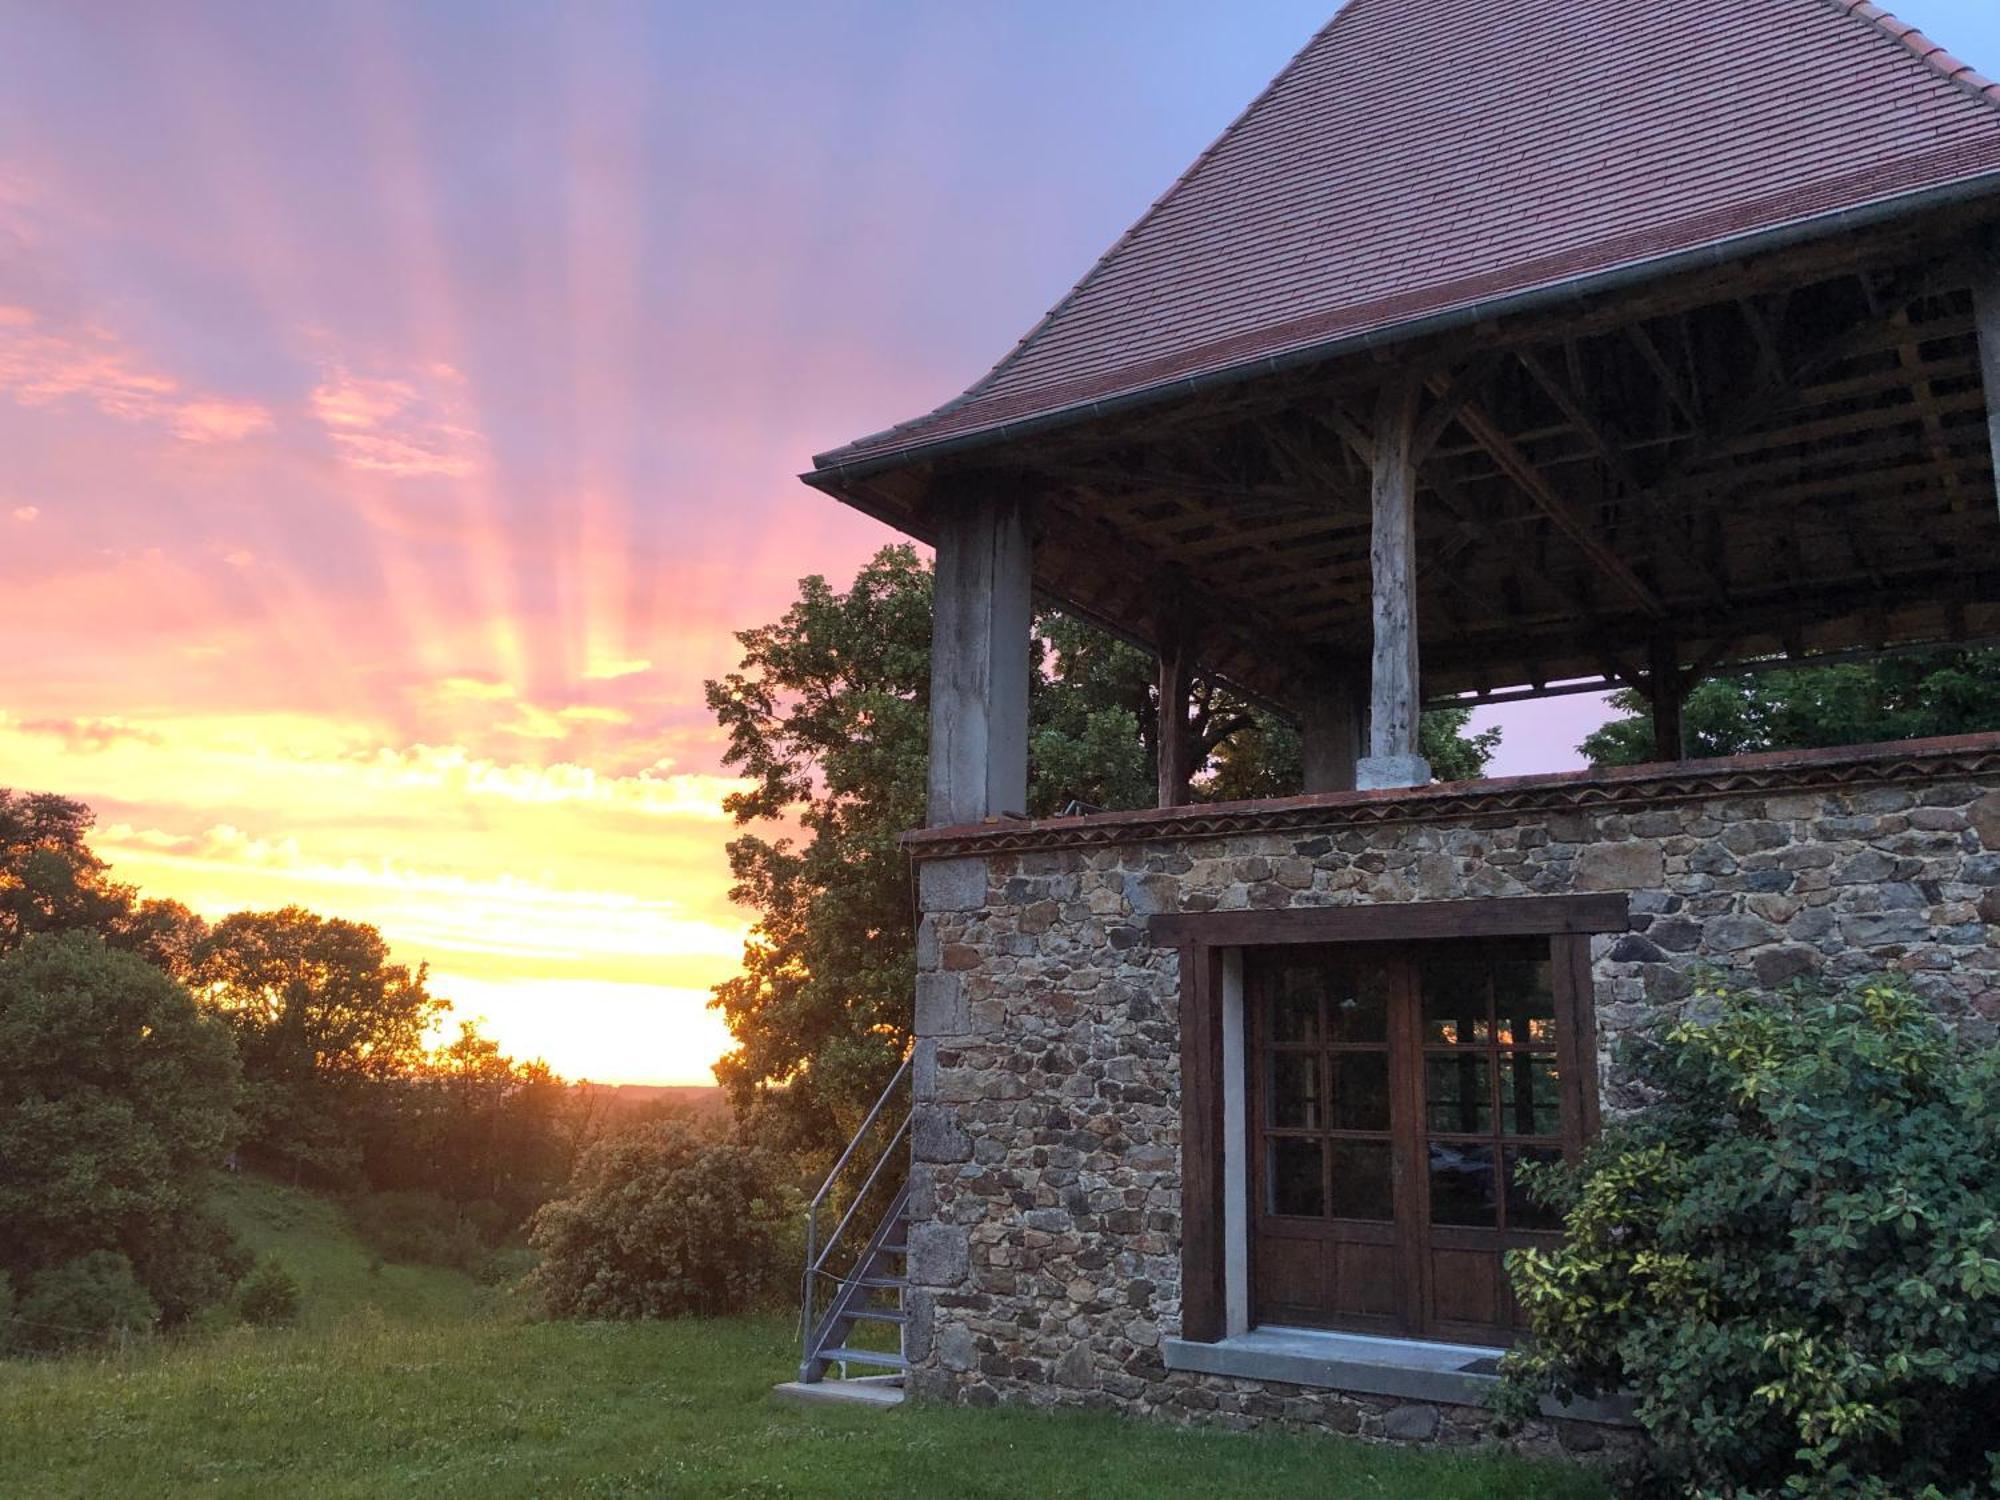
<point x="979" y="387"/>
<point x="1938" y="58"/>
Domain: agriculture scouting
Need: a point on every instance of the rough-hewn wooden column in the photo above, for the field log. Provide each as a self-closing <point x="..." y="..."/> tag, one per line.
<point x="1332" y="724"/>
<point x="980" y="655"/>
<point x="1986" y="308"/>
<point x="1666" y="688"/>
<point x="1395" y="701"/>
<point x="1176" y="682"/>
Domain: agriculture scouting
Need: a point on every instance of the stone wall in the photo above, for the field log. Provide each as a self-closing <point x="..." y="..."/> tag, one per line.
<point x="1045" y="1247"/>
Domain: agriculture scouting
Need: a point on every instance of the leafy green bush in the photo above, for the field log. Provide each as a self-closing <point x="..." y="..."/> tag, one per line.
<point x="270" y="1295"/>
<point x="1792" y="1257"/>
<point x="84" y="1301"/>
<point x="659" y="1222"/>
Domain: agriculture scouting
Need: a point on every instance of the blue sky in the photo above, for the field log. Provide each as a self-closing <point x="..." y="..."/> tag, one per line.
<point x="1970" y="28"/>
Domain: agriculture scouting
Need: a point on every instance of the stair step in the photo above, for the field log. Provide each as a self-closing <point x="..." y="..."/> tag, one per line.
<point x="883" y="1283"/>
<point x="877" y="1357"/>
<point x="896" y="1249"/>
<point x="879" y="1314"/>
<point x="872" y="1391"/>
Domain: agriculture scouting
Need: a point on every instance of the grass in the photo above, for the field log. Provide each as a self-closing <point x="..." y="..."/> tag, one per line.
<point x="341" y="1278"/>
<point x="409" y="1382"/>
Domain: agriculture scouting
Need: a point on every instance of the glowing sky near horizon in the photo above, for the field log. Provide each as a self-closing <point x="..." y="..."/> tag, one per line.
<point x="400" y="407"/>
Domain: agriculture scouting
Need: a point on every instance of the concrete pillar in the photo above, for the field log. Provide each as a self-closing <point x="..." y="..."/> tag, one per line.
<point x="982" y="617"/>
<point x="1395" y="700"/>
<point x="1332" y="725"/>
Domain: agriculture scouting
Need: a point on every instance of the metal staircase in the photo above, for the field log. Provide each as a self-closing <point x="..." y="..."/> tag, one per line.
<point x="849" y="1300"/>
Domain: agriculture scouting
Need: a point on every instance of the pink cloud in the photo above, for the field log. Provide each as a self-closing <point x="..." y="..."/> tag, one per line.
<point x="220" y="421"/>
<point x="411" y="428"/>
<point x="43" y="367"/>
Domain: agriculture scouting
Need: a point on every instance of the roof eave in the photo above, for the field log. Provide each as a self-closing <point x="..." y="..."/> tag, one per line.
<point x="833" y="474"/>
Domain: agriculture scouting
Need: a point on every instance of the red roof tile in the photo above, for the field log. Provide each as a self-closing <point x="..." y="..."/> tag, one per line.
<point x="1421" y="158"/>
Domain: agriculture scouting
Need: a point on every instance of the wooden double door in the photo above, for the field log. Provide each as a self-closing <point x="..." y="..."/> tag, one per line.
<point x="1395" y="1093"/>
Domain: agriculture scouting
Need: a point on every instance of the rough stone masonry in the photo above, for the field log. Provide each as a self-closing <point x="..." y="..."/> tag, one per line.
<point x="1044" y="1252"/>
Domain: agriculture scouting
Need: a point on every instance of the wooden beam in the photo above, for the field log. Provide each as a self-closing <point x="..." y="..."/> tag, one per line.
<point x="1986" y="309"/>
<point x="1175" y="630"/>
<point x="1450" y="401"/>
<point x="1667" y="688"/>
<point x="1395" y="698"/>
<point x="1518" y="467"/>
<point x="1204" y="1254"/>
<point x="1332" y="724"/>
<point x="981" y="620"/>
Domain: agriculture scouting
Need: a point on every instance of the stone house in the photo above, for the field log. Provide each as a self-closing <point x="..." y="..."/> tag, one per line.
<point x="1495" y="352"/>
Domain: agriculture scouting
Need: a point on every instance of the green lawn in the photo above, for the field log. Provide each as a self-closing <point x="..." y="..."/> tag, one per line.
<point x="341" y="1279"/>
<point x="405" y="1381"/>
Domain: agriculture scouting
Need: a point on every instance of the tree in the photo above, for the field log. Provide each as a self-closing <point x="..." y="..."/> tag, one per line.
<point x="49" y="879"/>
<point x="827" y="716"/>
<point x="476" y="1128"/>
<point x="1895" y="698"/>
<point x="117" y="1099"/>
<point x="327" y="1029"/>
<point x="661" y="1222"/>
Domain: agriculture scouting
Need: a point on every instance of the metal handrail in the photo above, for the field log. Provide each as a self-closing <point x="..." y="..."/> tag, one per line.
<point x="859" y="1134"/>
<point x="816" y="1253"/>
<point x="861" y="1193"/>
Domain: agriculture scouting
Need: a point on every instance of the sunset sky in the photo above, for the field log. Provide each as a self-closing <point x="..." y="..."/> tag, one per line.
<point x="400" y="407"/>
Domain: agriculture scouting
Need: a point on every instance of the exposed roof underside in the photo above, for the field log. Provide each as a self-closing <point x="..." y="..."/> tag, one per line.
<point x="1753" y="422"/>
<point x="1425" y="156"/>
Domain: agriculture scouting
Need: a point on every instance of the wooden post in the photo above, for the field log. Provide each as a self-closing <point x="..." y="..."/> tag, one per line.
<point x="1986" y="314"/>
<point x="1332" y="723"/>
<point x="982" y="615"/>
<point x="1176" y="680"/>
<point x="1395" y="702"/>
<point x="1666" y="686"/>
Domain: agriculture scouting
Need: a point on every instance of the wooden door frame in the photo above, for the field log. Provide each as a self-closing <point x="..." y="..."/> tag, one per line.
<point x="1201" y="939"/>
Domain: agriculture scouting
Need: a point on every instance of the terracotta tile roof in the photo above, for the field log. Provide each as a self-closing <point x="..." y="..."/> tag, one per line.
<point x="1421" y="158"/>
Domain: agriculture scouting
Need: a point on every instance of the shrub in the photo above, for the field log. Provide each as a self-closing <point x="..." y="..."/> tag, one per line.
<point x="1792" y="1257"/>
<point x="659" y="1222"/>
<point x="87" y="1300"/>
<point x="271" y="1295"/>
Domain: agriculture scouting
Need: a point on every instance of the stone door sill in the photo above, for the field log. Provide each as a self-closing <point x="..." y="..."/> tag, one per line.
<point x="1405" y="1369"/>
